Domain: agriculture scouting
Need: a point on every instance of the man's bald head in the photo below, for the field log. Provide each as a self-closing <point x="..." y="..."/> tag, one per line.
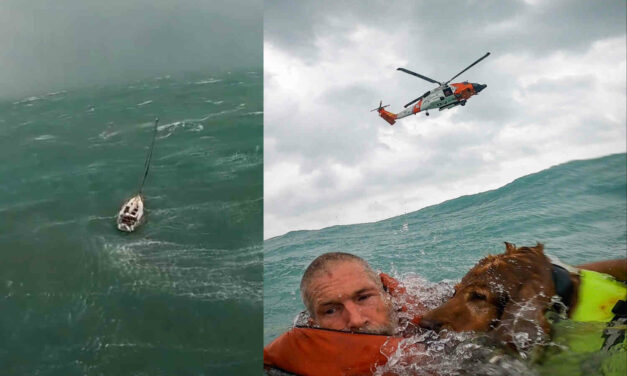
<point x="324" y="263"/>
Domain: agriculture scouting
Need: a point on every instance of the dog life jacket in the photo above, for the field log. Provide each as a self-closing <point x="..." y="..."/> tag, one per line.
<point x="601" y="298"/>
<point x="316" y="351"/>
<point x="598" y="294"/>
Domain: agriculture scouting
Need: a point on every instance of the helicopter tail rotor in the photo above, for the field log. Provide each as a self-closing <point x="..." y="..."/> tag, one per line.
<point x="381" y="107"/>
<point x="386" y="115"/>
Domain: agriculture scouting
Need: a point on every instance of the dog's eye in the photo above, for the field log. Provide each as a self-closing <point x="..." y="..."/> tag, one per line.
<point x="477" y="296"/>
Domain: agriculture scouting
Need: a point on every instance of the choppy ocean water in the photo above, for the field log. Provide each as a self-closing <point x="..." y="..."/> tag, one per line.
<point x="181" y="295"/>
<point x="577" y="209"/>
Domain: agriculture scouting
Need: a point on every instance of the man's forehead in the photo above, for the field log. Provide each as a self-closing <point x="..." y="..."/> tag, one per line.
<point x="341" y="267"/>
<point x="343" y="277"/>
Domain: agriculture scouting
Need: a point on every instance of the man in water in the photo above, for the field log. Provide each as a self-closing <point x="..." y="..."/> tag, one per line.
<point x="344" y="298"/>
<point x="342" y="292"/>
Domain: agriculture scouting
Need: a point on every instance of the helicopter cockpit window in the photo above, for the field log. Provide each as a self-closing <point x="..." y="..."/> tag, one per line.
<point x="447" y="91"/>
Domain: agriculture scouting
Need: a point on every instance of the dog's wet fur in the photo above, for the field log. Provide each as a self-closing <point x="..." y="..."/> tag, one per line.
<point x="506" y="294"/>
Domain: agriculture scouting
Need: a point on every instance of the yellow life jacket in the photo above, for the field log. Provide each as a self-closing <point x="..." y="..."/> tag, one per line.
<point x="597" y="296"/>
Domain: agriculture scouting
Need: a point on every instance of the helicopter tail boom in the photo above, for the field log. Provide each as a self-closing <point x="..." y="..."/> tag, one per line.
<point x="388" y="116"/>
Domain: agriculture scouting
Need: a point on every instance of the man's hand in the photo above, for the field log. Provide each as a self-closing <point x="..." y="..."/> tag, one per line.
<point x="615" y="268"/>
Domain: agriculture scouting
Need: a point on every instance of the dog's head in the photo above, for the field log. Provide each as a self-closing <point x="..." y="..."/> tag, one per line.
<point x="507" y="293"/>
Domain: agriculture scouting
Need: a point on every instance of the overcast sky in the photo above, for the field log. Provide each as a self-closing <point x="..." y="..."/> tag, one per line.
<point x="556" y="92"/>
<point x="55" y="44"/>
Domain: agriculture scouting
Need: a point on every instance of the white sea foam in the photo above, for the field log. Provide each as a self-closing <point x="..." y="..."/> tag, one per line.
<point x="195" y="273"/>
<point x="209" y="81"/>
<point x="144" y="103"/>
<point x="56" y="93"/>
<point x="44" y="137"/>
<point x="28" y="100"/>
<point x="105" y="135"/>
<point x="165" y="136"/>
<point x="193" y="123"/>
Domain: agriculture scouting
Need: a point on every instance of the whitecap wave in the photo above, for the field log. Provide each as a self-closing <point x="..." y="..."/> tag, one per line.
<point x="209" y="81"/>
<point x="44" y="137"/>
<point x="51" y="94"/>
<point x="106" y="135"/>
<point x="28" y="100"/>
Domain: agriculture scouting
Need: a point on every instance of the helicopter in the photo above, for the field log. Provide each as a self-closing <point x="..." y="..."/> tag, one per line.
<point x="443" y="97"/>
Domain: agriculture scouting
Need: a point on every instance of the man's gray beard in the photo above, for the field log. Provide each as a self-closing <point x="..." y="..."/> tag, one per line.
<point x="388" y="329"/>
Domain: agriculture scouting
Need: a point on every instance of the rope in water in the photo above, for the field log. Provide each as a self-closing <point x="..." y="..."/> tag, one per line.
<point x="149" y="156"/>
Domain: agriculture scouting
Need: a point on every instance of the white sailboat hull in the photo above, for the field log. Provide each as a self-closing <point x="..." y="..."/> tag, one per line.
<point x="131" y="214"/>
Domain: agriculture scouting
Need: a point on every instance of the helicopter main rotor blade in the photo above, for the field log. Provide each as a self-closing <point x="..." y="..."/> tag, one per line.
<point x="418" y="75"/>
<point x="414" y="101"/>
<point x="470" y="66"/>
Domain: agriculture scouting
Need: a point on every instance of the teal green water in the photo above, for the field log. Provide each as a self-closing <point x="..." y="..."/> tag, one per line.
<point x="182" y="294"/>
<point x="578" y="210"/>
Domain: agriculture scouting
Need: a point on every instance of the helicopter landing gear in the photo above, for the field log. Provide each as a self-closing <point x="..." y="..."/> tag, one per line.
<point x="426" y="113"/>
<point x="463" y="103"/>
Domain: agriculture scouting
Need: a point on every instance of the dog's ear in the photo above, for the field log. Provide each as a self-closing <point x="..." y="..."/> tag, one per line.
<point x="539" y="248"/>
<point x="522" y="323"/>
<point x="510" y="248"/>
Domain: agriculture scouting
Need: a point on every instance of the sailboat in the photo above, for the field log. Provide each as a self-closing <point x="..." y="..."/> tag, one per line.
<point x="132" y="214"/>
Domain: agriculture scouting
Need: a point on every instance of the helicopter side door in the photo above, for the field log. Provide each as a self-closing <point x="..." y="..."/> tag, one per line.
<point x="447" y="91"/>
<point x="445" y="97"/>
<point x="441" y="97"/>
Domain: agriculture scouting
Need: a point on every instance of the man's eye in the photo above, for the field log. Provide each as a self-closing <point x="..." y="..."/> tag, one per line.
<point x="330" y="311"/>
<point x="361" y="298"/>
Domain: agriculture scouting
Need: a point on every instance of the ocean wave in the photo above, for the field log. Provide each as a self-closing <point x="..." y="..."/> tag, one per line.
<point x="193" y="123"/>
<point x="74" y="222"/>
<point x="209" y="81"/>
<point x="144" y="103"/>
<point x="51" y="94"/>
<point x="44" y="137"/>
<point x="165" y="136"/>
<point x="190" y="125"/>
<point x="254" y="113"/>
<point x="239" y="160"/>
<point x="25" y="205"/>
<point x="105" y="135"/>
<point x="198" y="273"/>
<point x="28" y="100"/>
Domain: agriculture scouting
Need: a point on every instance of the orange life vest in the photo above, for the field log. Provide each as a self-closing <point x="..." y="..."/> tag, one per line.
<point x="315" y="351"/>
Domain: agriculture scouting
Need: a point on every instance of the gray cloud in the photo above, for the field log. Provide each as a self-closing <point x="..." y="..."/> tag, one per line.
<point x="51" y="45"/>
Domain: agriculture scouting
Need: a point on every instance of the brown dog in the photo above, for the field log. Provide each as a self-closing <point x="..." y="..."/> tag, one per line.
<point x="508" y="293"/>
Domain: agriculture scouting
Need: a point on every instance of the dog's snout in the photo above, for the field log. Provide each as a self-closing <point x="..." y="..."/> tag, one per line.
<point x="430" y="324"/>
